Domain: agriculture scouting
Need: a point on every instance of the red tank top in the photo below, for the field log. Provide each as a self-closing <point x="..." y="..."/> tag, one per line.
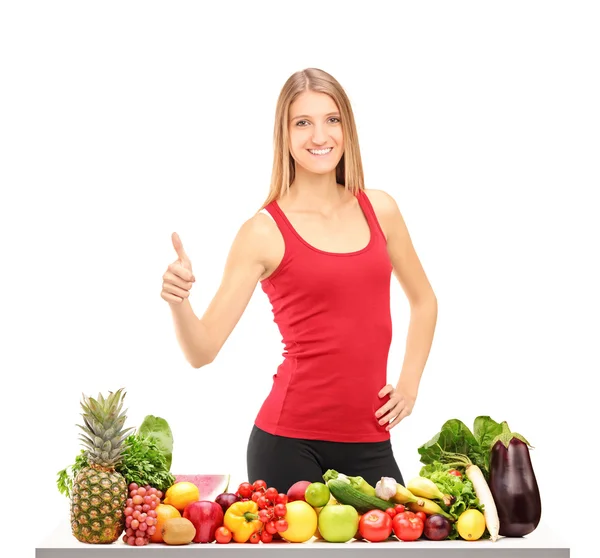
<point x="333" y="312"/>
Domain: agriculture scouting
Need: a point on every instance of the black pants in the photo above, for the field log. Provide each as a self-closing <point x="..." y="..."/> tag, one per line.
<point x="281" y="461"/>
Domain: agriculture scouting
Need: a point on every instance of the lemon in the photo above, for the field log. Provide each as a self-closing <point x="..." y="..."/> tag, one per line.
<point x="471" y="525"/>
<point x="180" y="494"/>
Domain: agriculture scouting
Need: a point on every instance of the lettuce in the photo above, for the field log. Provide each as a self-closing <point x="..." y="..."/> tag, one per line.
<point x="456" y="437"/>
<point x="459" y="487"/>
<point x="158" y="430"/>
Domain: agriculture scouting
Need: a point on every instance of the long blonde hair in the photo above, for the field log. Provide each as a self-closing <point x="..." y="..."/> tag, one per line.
<point x="349" y="170"/>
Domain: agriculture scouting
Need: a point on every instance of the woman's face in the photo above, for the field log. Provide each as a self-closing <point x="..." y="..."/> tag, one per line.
<point x="315" y="124"/>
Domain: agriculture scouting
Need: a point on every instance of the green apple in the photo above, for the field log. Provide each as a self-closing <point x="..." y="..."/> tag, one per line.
<point x="338" y="523"/>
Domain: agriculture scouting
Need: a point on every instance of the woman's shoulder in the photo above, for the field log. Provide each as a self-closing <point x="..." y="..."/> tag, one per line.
<point x="383" y="203"/>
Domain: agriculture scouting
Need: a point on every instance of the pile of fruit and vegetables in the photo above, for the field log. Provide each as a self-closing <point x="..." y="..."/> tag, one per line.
<point x="473" y="485"/>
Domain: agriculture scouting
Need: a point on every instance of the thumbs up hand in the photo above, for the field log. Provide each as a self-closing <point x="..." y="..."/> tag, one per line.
<point x="178" y="279"/>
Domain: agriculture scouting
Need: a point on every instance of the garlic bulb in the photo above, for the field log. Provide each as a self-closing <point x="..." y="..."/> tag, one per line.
<point x="385" y="488"/>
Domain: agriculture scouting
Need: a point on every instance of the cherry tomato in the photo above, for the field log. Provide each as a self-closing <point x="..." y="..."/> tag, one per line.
<point x="254" y="538"/>
<point x="270" y="528"/>
<point x="407" y="526"/>
<point x="223" y="535"/>
<point x="271" y="494"/>
<point x="422" y="516"/>
<point x="281" y="498"/>
<point x="266" y="537"/>
<point x="455" y="472"/>
<point x="375" y="526"/>
<point x="263" y="515"/>
<point x="256" y="496"/>
<point x="262" y="502"/>
<point x="399" y="508"/>
<point x="280" y="510"/>
<point x="260" y="485"/>
<point x="245" y="490"/>
<point x="391" y="512"/>
<point x="281" y="525"/>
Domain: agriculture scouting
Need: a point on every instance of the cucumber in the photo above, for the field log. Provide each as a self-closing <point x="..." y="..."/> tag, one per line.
<point x="346" y="494"/>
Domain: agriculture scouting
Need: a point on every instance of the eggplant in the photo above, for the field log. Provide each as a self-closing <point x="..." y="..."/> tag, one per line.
<point x="513" y="485"/>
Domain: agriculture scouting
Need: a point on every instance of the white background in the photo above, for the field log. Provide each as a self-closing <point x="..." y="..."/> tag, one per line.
<point x="122" y="122"/>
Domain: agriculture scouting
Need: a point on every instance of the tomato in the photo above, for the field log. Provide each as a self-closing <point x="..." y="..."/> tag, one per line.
<point x="375" y="526"/>
<point x="281" y="525"/>
<point x="280" y="510"/>
<point x="422" y="515"/>
<point x="266" y="537"/>
<point x="262" y="502"/>
<point x="281" y="498"/>
<point x="270" y="527"/>
<point x="455" y="472"/>
<point x="391" y="512"/>
<point x="271" y="494"/>
<point x="223" y="535"/>
<point x="245" y="490"/>
<point x="407" y="526"/>
<point x="256" y="495"/>
<point x="399" y="508"/>
<point x="260" y="485"/>
<point x="254" y="538"/>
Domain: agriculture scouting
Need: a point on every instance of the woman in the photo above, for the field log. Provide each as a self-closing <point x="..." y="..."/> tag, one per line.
<point x="323" y="248"/>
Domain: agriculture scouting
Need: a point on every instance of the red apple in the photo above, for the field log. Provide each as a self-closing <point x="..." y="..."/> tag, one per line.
<point x="206" y="517"/>
<point x="297" y="490"/>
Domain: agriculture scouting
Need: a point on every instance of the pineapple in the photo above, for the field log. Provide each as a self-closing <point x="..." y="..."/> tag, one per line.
<point x="99" y="492"/>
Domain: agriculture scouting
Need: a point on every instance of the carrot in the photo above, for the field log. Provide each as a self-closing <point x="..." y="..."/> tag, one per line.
<point x="482" y="491"/>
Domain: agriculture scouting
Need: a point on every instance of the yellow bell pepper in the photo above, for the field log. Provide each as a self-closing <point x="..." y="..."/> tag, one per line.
<point x="241" y="518"/>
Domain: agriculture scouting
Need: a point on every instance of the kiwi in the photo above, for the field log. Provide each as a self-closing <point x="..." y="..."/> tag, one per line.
<point x="178" y="530"/>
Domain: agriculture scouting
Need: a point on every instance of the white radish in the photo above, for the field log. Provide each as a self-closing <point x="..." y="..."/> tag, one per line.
<point x="483" y="492"/>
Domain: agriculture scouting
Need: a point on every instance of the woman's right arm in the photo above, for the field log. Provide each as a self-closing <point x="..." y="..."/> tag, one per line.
<point x="202" y="339"/>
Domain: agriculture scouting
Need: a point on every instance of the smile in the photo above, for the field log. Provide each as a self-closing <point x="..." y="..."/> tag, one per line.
<point x="320" y="152"/>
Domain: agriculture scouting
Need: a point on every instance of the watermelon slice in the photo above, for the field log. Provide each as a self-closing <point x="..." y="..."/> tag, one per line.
<point x="210" y="486"/>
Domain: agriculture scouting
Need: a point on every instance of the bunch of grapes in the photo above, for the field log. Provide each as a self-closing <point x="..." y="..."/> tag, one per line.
<point x="272" y="509"/>
<point x="140" y="514"/>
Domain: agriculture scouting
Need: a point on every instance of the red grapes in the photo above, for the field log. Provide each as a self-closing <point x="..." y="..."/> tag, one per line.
<point x="140" y="514"/>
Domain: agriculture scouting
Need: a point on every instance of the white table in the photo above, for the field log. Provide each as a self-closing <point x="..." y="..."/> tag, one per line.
<point x="542" y="543"/>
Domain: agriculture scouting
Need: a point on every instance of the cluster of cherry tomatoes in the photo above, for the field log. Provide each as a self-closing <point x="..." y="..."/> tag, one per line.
<point x="272" y="509"/>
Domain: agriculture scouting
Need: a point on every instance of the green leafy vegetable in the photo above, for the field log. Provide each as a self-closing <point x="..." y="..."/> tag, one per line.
<point x="68" y="474"/>
<point x="485" y="430"/>
<point x="143" y="462"/>
<point x="456" y="438"/>
<point x="459" y="487"/>
<point x="158" y="429"/>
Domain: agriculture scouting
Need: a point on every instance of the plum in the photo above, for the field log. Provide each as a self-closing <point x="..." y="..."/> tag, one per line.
<point x="437" y="527"/>
<point x="226" y="499"/>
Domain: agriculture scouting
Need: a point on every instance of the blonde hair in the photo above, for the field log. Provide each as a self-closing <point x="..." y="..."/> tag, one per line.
<point x="349" y="170"/>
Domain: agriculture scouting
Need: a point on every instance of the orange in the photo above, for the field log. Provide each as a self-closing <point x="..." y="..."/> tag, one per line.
<point x="163" y="512"/>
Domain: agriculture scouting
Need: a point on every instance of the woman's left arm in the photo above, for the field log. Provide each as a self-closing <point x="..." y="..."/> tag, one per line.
<point x="423" y="310"/>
